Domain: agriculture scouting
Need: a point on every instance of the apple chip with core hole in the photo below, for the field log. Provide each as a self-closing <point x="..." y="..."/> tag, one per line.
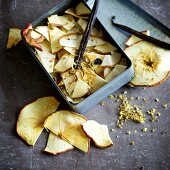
<point x="14" y="37"/>
<point x="67" y="125"/>
<point x="56" y="145"/>
<point x="32" y="116"/>
<point x="150" y="63"/>
<point x="133" y="39"/>
<point x="98" y="133"/>
<point x="82" y="9"/>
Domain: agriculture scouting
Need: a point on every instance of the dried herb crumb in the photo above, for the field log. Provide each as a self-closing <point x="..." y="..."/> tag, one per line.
<point x="125" y="92"/>
<point x="144" y="100"/>
<point x="158" y="113"/>
<point x="131" y="98"/>
<point x="132" y="143"/>
<point x="113" y="130"/>
<point x="165" y="105"/>
<point x="102" y="103"/>
<point x="156" y="100"/>
<point x="137" y="98"/>
<point x="152" y="130"/>
<point x="111" y="97"/>
<point x="128" y="132"/>
<point x="144" y="129"/>
<point x="135" y="131"/>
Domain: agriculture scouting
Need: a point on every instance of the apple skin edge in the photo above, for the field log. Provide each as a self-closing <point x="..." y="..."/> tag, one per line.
<point x="29" y="26"/>
<point x="153" y="85"/>
<point x="58" y="153"/>
<point x="101" y="147"/>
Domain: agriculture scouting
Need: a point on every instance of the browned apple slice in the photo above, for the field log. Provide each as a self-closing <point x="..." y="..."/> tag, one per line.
<point x="117" y="70"/>
<point x="106" y="48"/>
<point x="44" y="31"/>
<point x="133" y="39"/>
<point x="149" y="62"/>
<point x="54" y="35"/>
<point x="56" y="145"/>
<point x="82" y="9"/>
<point x="66" y="62"/>
<point x="71" y="11"/>
<point x="98" y="133"/>
<point x="67" y="125"/>
<point x="73" y="40"/>
<point x="14" y="37"/>
<point x="46" y="57"/>
<point x="31" y="118"/>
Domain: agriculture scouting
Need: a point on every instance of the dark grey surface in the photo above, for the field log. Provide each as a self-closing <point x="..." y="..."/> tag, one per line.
<point x="21" y="81"/>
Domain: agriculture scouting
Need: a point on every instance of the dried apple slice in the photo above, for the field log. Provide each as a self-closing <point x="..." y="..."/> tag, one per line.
<point x="66" y="62"/>
<point x="80" y="89"/>
<point x="57" y="20"/>
<point x="14" y="37"/>
<point x="67" y="125"/>
<point x="150" y="63"/>
<point x="56" y="145"/>
<point x="71" y="11"/>
<point x="133" y="39"/>
<point x="111" y="60"/>
<point x="107" y="70"/>
<point x="29" y="27"/>
<point x="98" y="133"/>
<point x="70" y="22"/>
<point x="73" y="40"/>
<point x="54" y="35"/>
<point x="32" y="116"/>
<point x="82" y="9"/>
<point x="44" y="31"/>
<point x="106" y="48"/>
<point x="72" y="51"/>
<point x="46" y="57"/>
<point x="117" y="70"/>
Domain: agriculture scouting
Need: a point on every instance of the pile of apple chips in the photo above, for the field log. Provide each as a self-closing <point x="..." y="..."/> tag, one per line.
<point x="66" y="129"/>
<point x="56" y="45"/>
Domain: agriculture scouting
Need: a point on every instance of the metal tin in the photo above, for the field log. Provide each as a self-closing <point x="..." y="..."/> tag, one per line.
<point x="104" y="91"/>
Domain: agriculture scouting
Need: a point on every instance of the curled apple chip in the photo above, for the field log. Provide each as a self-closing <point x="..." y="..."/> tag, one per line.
<point x="82" y="9"/>
<point x="56" y="145"/>
<point x="32" y="116"/>
<point x="98" y="133"/>
<point x="44" y="31"/>
<point x="133" y="39"/>
<point x="150" y="63"/>
<point x="67" y="125"/>
<point x="14" y="37"/>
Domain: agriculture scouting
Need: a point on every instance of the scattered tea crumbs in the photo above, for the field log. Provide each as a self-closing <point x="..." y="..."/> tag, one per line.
<point x="129" y="112"/>
<point x="152" y="113"/>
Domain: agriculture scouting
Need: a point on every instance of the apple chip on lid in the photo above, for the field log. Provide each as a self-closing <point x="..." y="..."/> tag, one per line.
<point x="150" y="63"/>
<point x="14" y="37"/>
<point x="67" y="125"/>
<point x="98" y="133"/>
<point x="56" y="145"/>
<point x="30" y="121"/>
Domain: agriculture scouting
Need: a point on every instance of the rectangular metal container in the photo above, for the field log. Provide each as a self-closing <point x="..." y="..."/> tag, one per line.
<point x="104" y="91"/>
